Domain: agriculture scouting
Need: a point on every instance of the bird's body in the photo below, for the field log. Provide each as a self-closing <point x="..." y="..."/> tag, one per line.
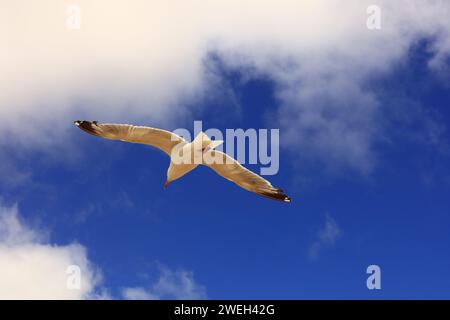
<point x="186" y="156"/>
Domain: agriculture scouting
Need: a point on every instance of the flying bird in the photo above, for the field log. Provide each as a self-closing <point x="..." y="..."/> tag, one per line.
<point x="175" y="146"/>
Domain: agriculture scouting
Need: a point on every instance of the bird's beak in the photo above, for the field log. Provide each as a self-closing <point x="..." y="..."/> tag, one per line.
<point x="166" y="184"/>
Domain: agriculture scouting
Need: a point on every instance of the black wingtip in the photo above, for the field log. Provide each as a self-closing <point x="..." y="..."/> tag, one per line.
<point x="277" y="195"/>
<point x="88" y="126"/>
<point x="286" y="198"/>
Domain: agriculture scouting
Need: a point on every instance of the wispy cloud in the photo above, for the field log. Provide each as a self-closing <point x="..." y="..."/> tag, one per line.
<point x="119" y="200"/>
<point x="326" y="237"/>
<point x="11" y="174"/>
<point x="179" y="284"/>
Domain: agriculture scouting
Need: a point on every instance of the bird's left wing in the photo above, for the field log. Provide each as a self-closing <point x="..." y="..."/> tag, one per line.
<point x="161" y="139"/>
<point x="232" y="170"/>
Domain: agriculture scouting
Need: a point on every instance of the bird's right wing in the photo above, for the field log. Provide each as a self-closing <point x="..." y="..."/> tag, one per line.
<point x="232" y="170"/>
<point x="161" y="139"/>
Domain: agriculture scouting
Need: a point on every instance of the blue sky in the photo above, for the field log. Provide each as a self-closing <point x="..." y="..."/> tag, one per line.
<point x="364" y="155"/>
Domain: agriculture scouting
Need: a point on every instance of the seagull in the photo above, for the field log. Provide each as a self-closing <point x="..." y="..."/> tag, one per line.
<point x="175" y="146"/>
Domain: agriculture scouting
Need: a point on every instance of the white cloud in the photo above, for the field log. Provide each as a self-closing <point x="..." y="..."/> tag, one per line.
<point x="33" y="268"/>
<point x="178" y="284"/>
<point x="326" y="237"/>
<point x="138" y="293"/>
<point x="144" y="62"/>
